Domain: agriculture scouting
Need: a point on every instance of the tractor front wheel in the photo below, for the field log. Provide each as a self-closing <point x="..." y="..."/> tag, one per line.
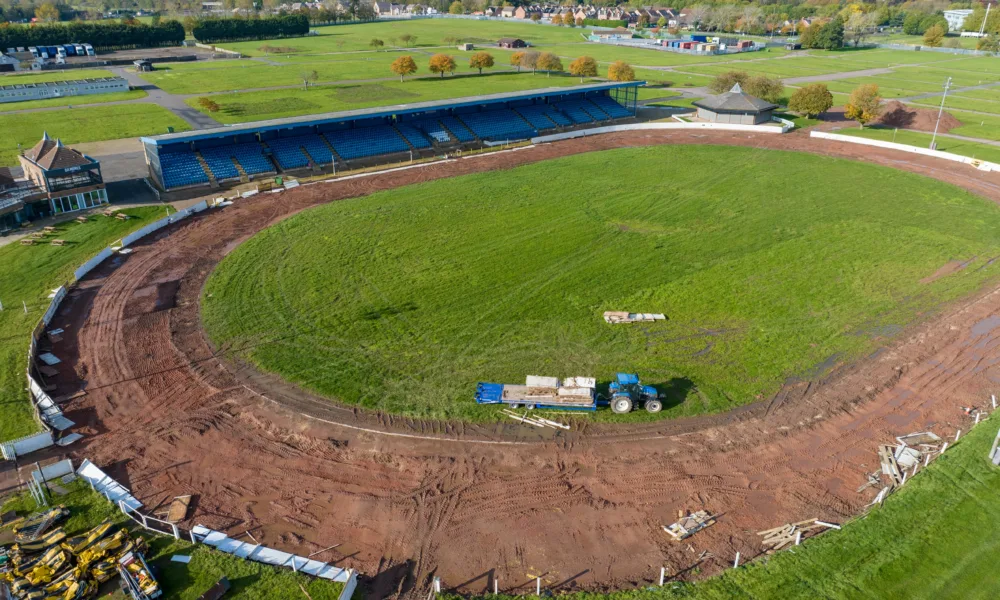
<point x="654" y="406"/>
<point x="621" y="406"/>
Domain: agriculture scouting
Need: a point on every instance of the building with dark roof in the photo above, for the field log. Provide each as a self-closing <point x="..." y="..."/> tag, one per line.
<point x="56" y="179"/>
<point x="511" y="43"/>
<point x="735" y="106"/>
<point x="21" y="92"/>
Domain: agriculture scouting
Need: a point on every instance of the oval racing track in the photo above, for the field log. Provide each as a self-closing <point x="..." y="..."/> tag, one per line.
<point x="409" y="499"/>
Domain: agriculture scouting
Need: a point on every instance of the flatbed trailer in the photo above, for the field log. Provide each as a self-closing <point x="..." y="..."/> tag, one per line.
<point x="554" y="398"/>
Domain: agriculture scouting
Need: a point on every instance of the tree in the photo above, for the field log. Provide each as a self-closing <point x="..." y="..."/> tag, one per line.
<point x="402" y="66"/>
<point x="723" y="82"/>
<point x="408" y="40"/>
<point x="189" y="24"/>
<point x="208" y="104"/>
<point x="584" y="66"/>
<point x="47" y="12"/>
<point x="643" y="21"/>
<point x="568" y="20"/>
<point x="620" y="71"/>
<point x="456" y="8"/>
<point x="911" y="24"/>
<point x="376" y="43"/>
<point x="442" y="63"/>
<point x="859" y="25"/>
<point x="864" y="105"/>
<point x="536" y="17"/>
<point x="556" y="20"/>
<point x="811" y="100"/>
<point x="516" y="60"/>
<point x="549" y="62"/>
<point x="933" y="36"/>
<point x="481" y="60"/>
<point x="308" y="76"/>
<point x="831" y="35"/>
<point x="661" y="22"/>
<point x="765" y="88"/>
<point x="990" y="43"/>
<point x="579" y="22"/>
<point x="809" y="37"/>
<point x="529" y="60"/>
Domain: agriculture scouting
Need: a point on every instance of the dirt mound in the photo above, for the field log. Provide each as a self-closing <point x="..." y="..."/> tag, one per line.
<point x="897" y="114"/>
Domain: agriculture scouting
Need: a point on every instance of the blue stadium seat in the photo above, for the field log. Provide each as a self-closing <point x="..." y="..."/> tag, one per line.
<point x="433" y="129"/>
<point x="181" y="169"/>
<point x="413" y="135"/>
<point x="366" y="141"/>
<point x="250" y="155"/>
<point x="610" y="106"/>
<point x="458" y="129"/>
<point x="576" y="110"/>
<point x="537" y="115"/>
<point x="288" y="151"/>
<point x="496" y="125"/>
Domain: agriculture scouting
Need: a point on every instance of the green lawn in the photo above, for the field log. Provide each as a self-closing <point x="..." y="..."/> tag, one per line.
<point x="272" y="104"/>
<point x="43" y="76"/>
<point x="29" y="274"/>
<point x="975" y="125"/>
<point x="179" y="581"/>
<point x="956" y="102"/>
<point x="73" y="101"/>
<point x="89" y="124"/>
<point x="970" y="149"/>
<point x="937" y="538"/>
<point x="403" y="300"/>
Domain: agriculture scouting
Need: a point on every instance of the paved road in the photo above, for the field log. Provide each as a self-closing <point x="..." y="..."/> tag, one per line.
<point x="172" y="102"/>
<point x="836" y="76"/>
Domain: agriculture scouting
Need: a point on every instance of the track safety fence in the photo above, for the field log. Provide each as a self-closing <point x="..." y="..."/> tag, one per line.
<point x="47" y="412"/>
<point x="982" y="165"/>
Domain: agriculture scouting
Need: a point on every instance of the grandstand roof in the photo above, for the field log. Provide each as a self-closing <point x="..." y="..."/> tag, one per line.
<point x="379" y="111"/>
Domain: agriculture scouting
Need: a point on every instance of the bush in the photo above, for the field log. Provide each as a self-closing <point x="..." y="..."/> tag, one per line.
<point x="811" y="100"/>
<point x="228" y="30"/>
<point x="610" y="23"/>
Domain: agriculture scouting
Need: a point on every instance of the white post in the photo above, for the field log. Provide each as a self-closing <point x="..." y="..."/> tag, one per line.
<point x="494" y="585"/>
<point x="798" y="537"/>
<point x="927" y="459"/>
<point x="538" y="586"/>
<point x="977" y="418"/>
<point x="193" y="540"/>
<point x="994" y="396"/>
<point x="437" y="585"/>
<point x="1" y="306"/>
<point x="143" y="517"/>
<point x="663" y="572"/>
<point x="736" y="563"/>
<point x="958" y="433"/>
<point x="177" y="533"/>
<point x="294" y="568"/>
<point x="25" y="306"/>
<point x="915" y="465"/>
<point x="943" y="448"/>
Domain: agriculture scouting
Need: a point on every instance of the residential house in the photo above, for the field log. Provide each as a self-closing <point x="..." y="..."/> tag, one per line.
<point x="511" y="43"/>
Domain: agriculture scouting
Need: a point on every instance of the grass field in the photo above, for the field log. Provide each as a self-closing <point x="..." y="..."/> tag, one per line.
<point x="934" y="539"/>
<point x="403" y="300"/>
<point x="273" y="104"/>
<point x="89" y="124"/>
<point x="251" y="580"/>
<point x="29" y="273"/>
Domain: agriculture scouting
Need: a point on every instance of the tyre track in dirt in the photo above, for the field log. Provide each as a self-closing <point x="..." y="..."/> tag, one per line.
<point x="168" y="417"/>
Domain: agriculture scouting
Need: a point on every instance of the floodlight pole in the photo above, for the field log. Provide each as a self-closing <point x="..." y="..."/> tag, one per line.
<point x="947" y="84"/>
<point x="987" y="16"/>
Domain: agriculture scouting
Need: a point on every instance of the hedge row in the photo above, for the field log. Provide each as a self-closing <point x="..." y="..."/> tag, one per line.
<point x="102" y="36"/>
<point x="231" y="30"/>
<point x="612" y="23"/>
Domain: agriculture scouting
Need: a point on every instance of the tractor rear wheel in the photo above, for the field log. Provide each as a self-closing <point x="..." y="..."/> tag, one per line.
<point x="621" y="405"/>
<point x="654" y="406"/>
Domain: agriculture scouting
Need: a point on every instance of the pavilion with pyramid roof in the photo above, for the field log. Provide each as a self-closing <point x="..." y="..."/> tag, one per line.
<point x="735" y="106"/>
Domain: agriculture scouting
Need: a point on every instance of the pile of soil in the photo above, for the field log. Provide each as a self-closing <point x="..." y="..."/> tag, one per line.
<point x="897" y="114"/>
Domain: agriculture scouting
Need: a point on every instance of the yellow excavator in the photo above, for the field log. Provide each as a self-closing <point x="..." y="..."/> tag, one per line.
<point x="20" y="550"/>
<point x="78" y="543"/>
<point x="33" y="526"/>
<point x="102" y="548"/>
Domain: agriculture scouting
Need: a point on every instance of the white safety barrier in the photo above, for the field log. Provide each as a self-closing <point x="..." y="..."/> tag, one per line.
<point x="54" y="305"/>
<point x="91" y="264"/>
<point x="349" y="587"/>
<point x="982" y="165"/>
<point x="269" y="556"/>
<point x="53" y="471"/>
<point x="25" y="445"/>
<point x="646" y="126"/>
<point x="106" y="486"/>
<point x="48" y="410"/>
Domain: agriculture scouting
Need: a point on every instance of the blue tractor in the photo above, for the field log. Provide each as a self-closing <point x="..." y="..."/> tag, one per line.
<point x="628" y="393"/>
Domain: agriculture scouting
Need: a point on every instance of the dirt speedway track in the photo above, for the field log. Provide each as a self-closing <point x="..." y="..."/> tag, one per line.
<point x="408" y="500"/>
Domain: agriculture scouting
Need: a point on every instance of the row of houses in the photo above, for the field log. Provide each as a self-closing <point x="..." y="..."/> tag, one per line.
<point x="605" y="13"/>
<point x="388" y="9"/>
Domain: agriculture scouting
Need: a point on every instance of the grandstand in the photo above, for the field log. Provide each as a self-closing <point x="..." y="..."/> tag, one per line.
<point x="213" y="157"/>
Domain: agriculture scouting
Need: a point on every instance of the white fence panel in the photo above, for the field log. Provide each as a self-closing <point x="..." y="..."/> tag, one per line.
<point x="269" y="556"/>
<point x="54" y="305"/>
<point x="979" y="164"/>
<point x="116" y="492"/>
<point x="47" y="408"/>
<point x="26" y="445"/>
<point x="53" y="471"/>
<point x="349" y="587"/>
<point x="91" y="264"/>
<point x="640" y="126"/>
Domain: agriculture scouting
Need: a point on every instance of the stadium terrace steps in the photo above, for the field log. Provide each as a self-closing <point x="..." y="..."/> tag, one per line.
<point x="433" y="129"/>
<point x="457" y="129"/>
<point x="413" y="136"/>
<point x="212" y="179"/>
<point x="498" y="125"/>
<point x="363" y="142"/>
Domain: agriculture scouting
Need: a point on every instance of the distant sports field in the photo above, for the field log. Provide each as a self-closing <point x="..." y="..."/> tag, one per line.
<point x="768" y="264"/>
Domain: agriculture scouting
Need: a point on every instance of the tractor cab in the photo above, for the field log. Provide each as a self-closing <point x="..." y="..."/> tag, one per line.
<point x="628" y="393"/>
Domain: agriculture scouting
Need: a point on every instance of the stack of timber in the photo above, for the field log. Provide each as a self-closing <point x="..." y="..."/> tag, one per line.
<point x="686" y="526"/>
<point x="902" y="459"/>
<point x="791" y="534"/>
<point x="620" y="316"/>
